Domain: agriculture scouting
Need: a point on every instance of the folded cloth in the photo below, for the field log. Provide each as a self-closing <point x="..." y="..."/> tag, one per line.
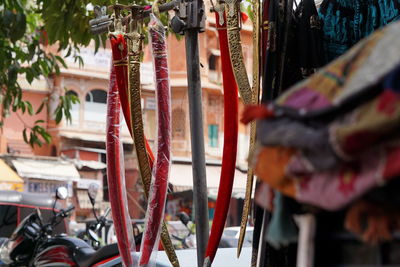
<point x="335" y="135"/>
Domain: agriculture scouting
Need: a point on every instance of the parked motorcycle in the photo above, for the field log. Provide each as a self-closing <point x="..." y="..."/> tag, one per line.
<point x="99" y="226"/>
<point x="33" y="243"/>
<point x="189" y="239"/>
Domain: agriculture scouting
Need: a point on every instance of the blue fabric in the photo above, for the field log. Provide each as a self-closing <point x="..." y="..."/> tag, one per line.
<point x="281" y="230"/>
<point x="345" y="22"/>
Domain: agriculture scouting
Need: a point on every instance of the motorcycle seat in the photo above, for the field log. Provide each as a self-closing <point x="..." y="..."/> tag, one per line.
<point x="87" y="256"/>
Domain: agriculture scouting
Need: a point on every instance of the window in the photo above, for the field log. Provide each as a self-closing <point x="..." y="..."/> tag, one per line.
<point x="178" y="124"/>
<point x="96" y="106"/>
<point x="212" y="62"/>
<point x="75" y="110"/>
<point x="213" y="135"/>
<point x="213" y="101"/>
<point x="97" y="96"/>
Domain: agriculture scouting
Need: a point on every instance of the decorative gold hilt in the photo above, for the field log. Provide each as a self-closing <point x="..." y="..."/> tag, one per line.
<point x="219" y="7"/>
<point x="134" y="32"/>
<point x="116" y="27"/>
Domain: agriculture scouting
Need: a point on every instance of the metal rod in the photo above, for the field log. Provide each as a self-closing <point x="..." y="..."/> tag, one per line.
<point x="262" y="246"/>
<point x="197" y="141"/>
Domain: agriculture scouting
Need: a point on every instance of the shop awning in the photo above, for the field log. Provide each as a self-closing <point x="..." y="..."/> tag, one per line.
<point x="89" y="164"/>
<point x="100" y="138"/>
<point x="9" y="180"/>
<point x="181" y="179"/>
<point x="57" y="170"/>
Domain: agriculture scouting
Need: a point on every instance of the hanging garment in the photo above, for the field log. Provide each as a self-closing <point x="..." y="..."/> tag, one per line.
<point x="356" y="119"/>
<point x="345" y="22"/>
<point x="309" y="38"/>
<point x="294" y="46"/>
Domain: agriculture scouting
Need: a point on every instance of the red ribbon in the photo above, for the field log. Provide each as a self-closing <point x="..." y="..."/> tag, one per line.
<point x="115" y="175"/>
<point x="230" y="143"/>
<point x="161" y="171"/>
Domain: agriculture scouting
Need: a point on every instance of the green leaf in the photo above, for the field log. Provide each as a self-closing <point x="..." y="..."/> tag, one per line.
<point x="29" y="76"/>
<point x="8" y="18"/>
<point x="62" y="62"/>
<point x="22" y="106"/>
<point x="40" y="108"/>
<point x="25" y="136"/>
<point x="46" y="137"/>
<point x="39" y="121"/>
<point x="19" y="28"/>
<point x="59" y="116"/>
<point x="29" y="107"/>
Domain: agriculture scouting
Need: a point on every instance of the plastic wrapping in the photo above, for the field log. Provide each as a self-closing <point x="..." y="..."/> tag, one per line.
<point x="120" y="53"/>
<point x="231" y="125"/>
<point x="116" y="177"/>
<point x="159" y="184"/>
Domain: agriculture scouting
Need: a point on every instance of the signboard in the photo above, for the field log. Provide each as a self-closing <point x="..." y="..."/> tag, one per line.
<point x="11" y="186"/>
<point x="84" y="183"/>
<point x="46" y="187"/>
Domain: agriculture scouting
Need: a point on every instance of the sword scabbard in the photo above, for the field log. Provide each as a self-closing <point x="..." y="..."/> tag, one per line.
<point x="134" y="41"/>
<point x="249" y="95"/>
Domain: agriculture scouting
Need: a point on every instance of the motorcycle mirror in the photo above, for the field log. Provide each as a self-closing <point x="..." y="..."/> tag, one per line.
<point x="93" y="236"/>
<point x="92" y="192"/>
<point x="183" y="217"/>
<point x="62" y="193"/>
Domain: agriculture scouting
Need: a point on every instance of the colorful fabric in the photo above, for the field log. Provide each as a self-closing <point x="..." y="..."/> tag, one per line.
<point x="345" y="22"/>
<point x="335" y="135"/>
<point x="284" y="170"/>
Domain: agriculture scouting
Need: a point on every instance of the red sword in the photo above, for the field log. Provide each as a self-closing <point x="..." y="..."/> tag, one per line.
<point x="155" y="212"/>
<point x="230" y="143"/>
<point x="115" y="175"/>
<point x="120" y="52"/>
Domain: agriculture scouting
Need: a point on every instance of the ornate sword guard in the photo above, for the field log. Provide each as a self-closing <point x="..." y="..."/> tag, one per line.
<point x="219" y="7"/>
<point x="233" y="7"/>
<point x="188" y="15"/>
<point x="232" y="10"/>
<point x="133" y="30"/>
<point x="116" y="27"/>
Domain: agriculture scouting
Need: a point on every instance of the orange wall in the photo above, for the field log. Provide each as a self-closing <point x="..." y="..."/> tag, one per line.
<point x="14" y="124"/>
<point x="87" y="155"/>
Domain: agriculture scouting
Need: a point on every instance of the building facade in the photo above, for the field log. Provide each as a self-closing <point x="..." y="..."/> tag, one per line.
<point x="82" y="141"/>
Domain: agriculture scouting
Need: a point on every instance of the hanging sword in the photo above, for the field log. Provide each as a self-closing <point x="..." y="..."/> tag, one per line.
<point x="134" y="42"/>
<point x="249" y="95"/>
<point x="159" y="185"/>
<point x="190" y="19"/>
<point x="230" y="138"/>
